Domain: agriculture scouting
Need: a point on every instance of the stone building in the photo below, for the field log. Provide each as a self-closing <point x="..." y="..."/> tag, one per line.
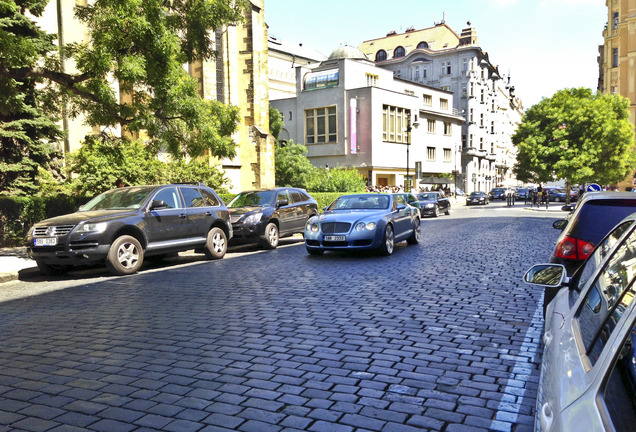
<point x="617" y="66"/>
<point x="351" y="113"/>
<point x="238" y="76"/>
<point x="439" y="57"/>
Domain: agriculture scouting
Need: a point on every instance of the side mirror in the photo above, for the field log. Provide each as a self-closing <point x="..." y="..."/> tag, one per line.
<point x="282" y="203"/>
<point x="158" y="205"/>
<point x="560" y="224"/>
<point x="568" y="208"/>
<point x="547" y="275"/>
<point x="400" y="207"/>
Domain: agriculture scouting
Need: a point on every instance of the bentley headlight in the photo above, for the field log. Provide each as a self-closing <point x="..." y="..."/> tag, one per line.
<point x="362" y="226"/>
<point x="253" y="218"/>
<point x="92" y="227"/>
<point x="313" y="227"/>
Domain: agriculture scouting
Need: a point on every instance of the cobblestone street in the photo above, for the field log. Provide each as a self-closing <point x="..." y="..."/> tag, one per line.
<point x="440" y="336"/>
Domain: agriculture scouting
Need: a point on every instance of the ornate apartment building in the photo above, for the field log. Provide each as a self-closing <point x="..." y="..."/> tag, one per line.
<point x="617" y="59"/>
<point x="238" y="76"/>
<point x="484" y="97"/>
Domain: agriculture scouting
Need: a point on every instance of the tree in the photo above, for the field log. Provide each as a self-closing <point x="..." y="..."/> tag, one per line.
<point x="337" y="180"/>
<point x="292" y="166"/>
<point x="577" y="136"/>
<point x="276" y="122"/>
<point x="143" y="46"/>
<point x="27" y="127"/>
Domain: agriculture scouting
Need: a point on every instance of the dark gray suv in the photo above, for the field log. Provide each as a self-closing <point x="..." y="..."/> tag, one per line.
<point x="122" y="226"/>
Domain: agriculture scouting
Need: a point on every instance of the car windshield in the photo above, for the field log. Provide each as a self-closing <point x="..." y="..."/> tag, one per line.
<point x="254" y="198"/>
<point x="117" y="199"/>
<point x="476" y="194"/>
<point x="374" y="202"/>
<point x="426" y="196"/>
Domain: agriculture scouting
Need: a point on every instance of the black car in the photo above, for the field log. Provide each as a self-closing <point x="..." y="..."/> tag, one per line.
<point x="266" y="215"/>
<point x="122" y="226"/>
<point x="497" y="193"/>
<point x="593" y="217"/>
<point x="407" y="198"/>
<point x="433" y="203"/>
<point x="477" y="198"/>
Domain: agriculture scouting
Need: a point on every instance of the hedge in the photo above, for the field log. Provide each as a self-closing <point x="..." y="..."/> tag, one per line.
<point x="18" y="214"/>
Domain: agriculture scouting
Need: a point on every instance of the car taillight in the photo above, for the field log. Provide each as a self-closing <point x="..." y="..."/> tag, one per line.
<point x="571" y="248"/>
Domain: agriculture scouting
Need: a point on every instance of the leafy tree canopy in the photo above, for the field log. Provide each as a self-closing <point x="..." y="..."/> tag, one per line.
<point x="276" y="122"/>
<point x="577" y="136"/>
<point x="142" y="45"/>
<point x="292" y="166"/>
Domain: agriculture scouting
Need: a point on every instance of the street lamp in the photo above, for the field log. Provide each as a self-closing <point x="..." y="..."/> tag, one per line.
<point x="409" y="128"/>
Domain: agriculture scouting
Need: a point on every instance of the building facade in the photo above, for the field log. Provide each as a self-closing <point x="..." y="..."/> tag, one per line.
<point x="617" y="60"/>
<point x="350" y="113"/>
<point x="439" y="57"/>
<point x="238" y="76"/>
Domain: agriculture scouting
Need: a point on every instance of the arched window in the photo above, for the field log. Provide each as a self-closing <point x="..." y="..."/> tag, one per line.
<point x="380" y="56"/>
<point x="398" y="52"/>
<point x="422" y="45"/>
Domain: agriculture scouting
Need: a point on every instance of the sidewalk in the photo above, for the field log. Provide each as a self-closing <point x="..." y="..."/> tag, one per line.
<point x="12" y="261"/>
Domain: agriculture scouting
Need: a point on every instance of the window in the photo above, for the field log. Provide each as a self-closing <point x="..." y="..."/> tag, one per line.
<point x="483" y="96"/>
<point x="428" y="100"/>
<point x="615" y="20"/>
<point x="422" y="45"/>
<point x="431" y="125"/>
<point x="608" y="297"/>
<point x="283" y="195"/>
<point x="380" y="56"/>
<point x="465" y="65"/>
<point x="481" y="143"/>
<point x="394" y="122"/>
<point x="445" y="88"/>
<point x="470" y="117"/>
<point x="443" y="104"/>
<point x="464" y="90"/>
<point x="492" y="127"/>
<point x="210" y="198"/>
<point x="170" y="196"/>
<point x="192" y="197"/>
<point x="320" y="125"/>
<point x="447" y="155"/>
<point x="398" y="52"/>
<point x="472" y="90"/>
<point x="615" y="57"/>
<point x="448" y="129"/>
<point x="446" y="68"/>
<point x="430" y="154"/>
<point x="470" y="140"/>
<point x="372" y="80"/>
<point x="481" y="120"/>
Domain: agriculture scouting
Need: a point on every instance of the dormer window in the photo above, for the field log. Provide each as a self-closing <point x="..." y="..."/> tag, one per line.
<point x="422" y="45"/>
<point x="380" y="56"/>
<point x="399" y="52"/>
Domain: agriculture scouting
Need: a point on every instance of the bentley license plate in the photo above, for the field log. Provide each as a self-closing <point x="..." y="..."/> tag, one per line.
<point x="334" y="238"/>
<point x="46" y="241"/>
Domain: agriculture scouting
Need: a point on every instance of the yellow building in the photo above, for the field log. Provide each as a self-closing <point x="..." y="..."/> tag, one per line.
<point x="617" y="59"/>
<point x="238" y="76"/>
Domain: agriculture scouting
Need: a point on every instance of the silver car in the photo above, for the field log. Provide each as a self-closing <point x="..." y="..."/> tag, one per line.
<point x="588" y="371"/>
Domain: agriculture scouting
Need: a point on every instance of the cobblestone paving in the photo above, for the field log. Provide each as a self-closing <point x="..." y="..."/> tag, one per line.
<point x="440" y="336"/>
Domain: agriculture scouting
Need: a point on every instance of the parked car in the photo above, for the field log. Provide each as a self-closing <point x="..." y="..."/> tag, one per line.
<point x="587" y="379"/>
<point x="594" y="215"/>
<point x="459" y="192"/>
<point x="523" y="193"/>
<point x="407" y="198"/>
<point x="433" y="203"/>
<point x="560" y="195"/>
<point x="477" y="198"/>
<point x="497" y="193"/>
<point x="264" y="216"/>
<point x="363" y="221"/>
<point x="123" y="226"/>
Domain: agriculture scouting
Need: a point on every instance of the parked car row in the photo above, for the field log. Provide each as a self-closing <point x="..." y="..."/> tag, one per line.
<point x="123" y="226"/>
<point x="588" y="371"/>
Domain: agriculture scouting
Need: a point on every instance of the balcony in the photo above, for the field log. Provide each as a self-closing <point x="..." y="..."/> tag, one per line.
<point x="491" y="157"/>
<point x="469" y="151"/>
<point x="482" y="153"/>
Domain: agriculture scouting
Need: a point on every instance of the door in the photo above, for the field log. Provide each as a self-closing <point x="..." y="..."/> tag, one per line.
<point x="286" y="213"/>
<point x="199" y="214"/>
<point x="166" y="224"/>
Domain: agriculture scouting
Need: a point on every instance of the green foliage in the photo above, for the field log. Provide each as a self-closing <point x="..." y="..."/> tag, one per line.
<point x="101" y="161"/>
<point x="324" y="198"/>
<point x="27" y="126"/>
<point x="18" y="214"/>
<point x="337" y="180"/>
<point x="276" y="122"/>
<point x="578" y="136"/>
<point x="292" y="166"/>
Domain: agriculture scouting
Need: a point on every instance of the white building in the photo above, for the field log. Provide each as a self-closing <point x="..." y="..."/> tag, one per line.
<point x="438" y="57"/>
<point x="349" y="112"/>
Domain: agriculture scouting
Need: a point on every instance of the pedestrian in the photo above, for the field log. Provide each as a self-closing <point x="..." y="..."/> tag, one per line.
<point x="539" y="199"/>
<point x="119" y="183"/>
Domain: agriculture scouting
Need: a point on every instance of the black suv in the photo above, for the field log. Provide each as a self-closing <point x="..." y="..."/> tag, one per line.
<point x="266" y="215"/>
<point x="122" y="226"/>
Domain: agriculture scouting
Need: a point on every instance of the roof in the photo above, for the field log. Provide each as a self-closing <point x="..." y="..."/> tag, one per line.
<point x="298" y="50"/>
<point x="438" y="37"/>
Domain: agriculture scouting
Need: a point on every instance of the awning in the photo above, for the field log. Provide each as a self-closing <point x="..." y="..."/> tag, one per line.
<point x="436" y="180"/>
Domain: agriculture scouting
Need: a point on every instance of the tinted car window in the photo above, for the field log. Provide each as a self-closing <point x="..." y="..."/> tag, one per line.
<point x="608" y="298"/>
<point x="598" y="217"/>
<point x="283" y="195"/>
<point x="123" y="198"/>
<point x="259" y="198"/>
<point x="619" y="394"/>
<point x="304" y="196"/>
<point x="210" y="199"/>
<point x="169" y="196"/>
<point x="192" y="197"/>
<point x="297" y="196"/>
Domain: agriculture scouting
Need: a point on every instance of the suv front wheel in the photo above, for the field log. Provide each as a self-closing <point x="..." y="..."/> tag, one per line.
<point x="125" y="256"/>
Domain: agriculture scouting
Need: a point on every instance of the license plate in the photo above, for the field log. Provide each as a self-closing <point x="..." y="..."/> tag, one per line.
<point x="334" y="238"/>
<point x="47" y="241"/>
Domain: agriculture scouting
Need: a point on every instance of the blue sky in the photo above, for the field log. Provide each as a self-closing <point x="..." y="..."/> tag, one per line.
<point x="546" y="45"/>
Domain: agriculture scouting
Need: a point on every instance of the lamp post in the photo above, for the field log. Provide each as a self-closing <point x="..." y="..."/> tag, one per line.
<point x="409" y="128"/>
